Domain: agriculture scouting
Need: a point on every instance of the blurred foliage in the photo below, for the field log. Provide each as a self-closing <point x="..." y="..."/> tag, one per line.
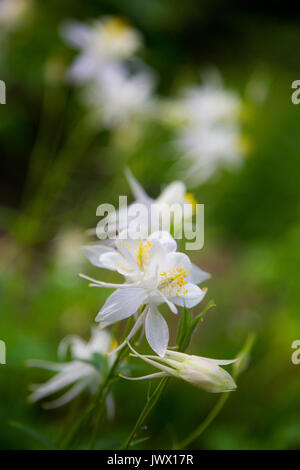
<point x="252" y="217"/>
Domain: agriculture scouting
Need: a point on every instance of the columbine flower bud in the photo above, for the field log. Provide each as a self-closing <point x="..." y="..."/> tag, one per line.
<point x="202" y="372"/>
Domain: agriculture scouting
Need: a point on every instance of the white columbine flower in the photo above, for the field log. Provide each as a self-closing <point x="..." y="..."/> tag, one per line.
<point x="173" y="201"/>
<point x="154" y="274"/>
<point x="202" y="372"/>
<point x="208" y="135"/>
<point x="117" y="96"/>
<point x="80" y="372"/>
<point x="106" y="40"/>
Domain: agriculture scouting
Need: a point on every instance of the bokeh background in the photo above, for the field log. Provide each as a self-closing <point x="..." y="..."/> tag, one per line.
<point x="252" y="224"/>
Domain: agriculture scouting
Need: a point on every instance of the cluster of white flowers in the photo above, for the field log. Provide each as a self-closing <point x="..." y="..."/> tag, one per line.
<point x="154" y="273"/>
<point x="208" y="131"/>
<point x="119" y="85"/>
<point x="119" y="91"/>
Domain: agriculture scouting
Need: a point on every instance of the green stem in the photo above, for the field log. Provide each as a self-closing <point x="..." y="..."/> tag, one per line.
<point x="98" y="399"/>
<point x="237" y="369"/>
<point x="154" y="397"/>
<point x="85" y="418"/>
<point x="151" y="402"/>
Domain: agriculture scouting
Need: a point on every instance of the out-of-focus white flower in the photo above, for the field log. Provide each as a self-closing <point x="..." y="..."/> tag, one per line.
<point x="204" y="105"/>
<point x="208" y="131"/>
<point x="12" y="11"/>
<point x="86" y="369"/>
<point x="202" y="372"/>
<point x="154" y="274"/>
<point x="207" y="150"/>
<point x="117" y="97"/>
<point x="106" y="40"/>
<point x="174" y="201"/>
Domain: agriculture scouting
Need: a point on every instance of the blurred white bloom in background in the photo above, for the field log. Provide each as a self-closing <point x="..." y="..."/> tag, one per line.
<point x="120" y="86"/>
<point x="107" y="40"/>
<point x="117" y="96"/>
<point x="208" y="138"/>
<point x="202" y="372"/>
<point x="174" y="199"/>
<point x="12" y="11"/>
<point x="154" y="274"/>
<point x="85" y="370"/>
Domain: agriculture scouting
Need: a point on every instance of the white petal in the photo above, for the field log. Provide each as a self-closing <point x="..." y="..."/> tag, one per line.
<point x="75" y="33"/>
<point x="116" y="262"/>
<point x="165" y="239"/>
<point x="93" y="253"/>
<point x="78" y="347"/>
<point x="68" y="396"/>
<point x="198" y="275"/>
<point x="173" y="193"/>
<point x="157" y="331"/>
<point x="137" y="190"/>
<point x="179" y="260"/>
<point x="101" y="341"/>
<point x="55" y="366"/>
<point x="191" y="296"/>
<point x="168" y="302"/>
<point x="75" y="371"/>
<point x="121" y="304"/>
<point x="82" y="69"/>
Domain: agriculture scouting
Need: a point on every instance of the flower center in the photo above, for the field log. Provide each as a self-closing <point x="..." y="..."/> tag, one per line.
<point x="141" y="252"/>
<point x="174" y="282"/>
<point x="116" y="27"/>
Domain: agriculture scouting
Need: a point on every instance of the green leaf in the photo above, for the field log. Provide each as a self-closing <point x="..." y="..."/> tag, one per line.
<point x="190" y="325"/>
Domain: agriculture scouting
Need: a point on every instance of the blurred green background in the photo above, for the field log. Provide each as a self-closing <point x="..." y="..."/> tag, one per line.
<point x="252" y="226"/>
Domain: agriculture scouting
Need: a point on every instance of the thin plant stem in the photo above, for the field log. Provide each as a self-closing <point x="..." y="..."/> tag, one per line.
<point x="89" y="410"/>
<point x="237" y="369"/>
<point x="151" y="402"/>
<point x="98" y="401"/>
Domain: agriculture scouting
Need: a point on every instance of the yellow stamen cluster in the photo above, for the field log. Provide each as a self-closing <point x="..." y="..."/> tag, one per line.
<point x="116" y="26"/>
<point x="174" y="280"/>
<point x="141" y="252"/>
